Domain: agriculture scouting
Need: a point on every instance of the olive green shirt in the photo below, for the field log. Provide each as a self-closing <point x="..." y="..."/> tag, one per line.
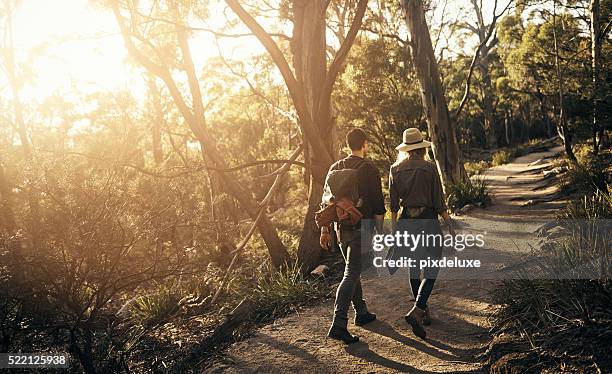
<point x="416" y="183"/>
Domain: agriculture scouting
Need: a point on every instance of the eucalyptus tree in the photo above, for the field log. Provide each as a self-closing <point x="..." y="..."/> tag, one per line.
<point x="158" y="40"/>
<point x="441" y="129"/>
<point x="310" y="69"/>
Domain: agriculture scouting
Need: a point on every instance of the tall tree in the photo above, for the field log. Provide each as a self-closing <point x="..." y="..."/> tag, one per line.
<point x="193" y="111"/>
<point x="441" y="129"/>
<point x="310" y="84"/>
<point x="598" y="127"/>
<point x="562" y="126"/>
<point x="15" y="81"/>
<point x="487" y="40"/>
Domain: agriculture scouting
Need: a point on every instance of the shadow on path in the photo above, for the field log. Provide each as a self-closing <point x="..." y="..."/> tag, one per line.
<point x="362" y="350"/>
<point x="385" y="329"/>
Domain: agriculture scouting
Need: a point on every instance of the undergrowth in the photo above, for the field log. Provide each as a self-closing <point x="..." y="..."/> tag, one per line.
<point x="506" y="155"/>
<point x="565" y="316"/>
<point x="475" y="192"/>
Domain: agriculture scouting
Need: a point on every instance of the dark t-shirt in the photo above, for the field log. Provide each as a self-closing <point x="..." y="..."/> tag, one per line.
<point x="370" y="188"/>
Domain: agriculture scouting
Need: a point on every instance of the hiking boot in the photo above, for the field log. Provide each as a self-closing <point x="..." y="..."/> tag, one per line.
<point x="415" y="319"/>
<point x="427" y="317"/>
<point x="364" y="319"/>
<point x="342" y="334"/>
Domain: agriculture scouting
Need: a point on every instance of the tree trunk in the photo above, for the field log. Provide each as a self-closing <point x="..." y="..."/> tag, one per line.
<point x="487" y="101"/>
<point x="156" y="123"/>
<point x="596" y="65"/>
<point x="507" y="126"/>
<point x="562" y="127"/>
<point x="310" y="64"/>
<point x="278" y="253"/>
<point x="441" y="130"/>
<point x="7" y="218"/>
<point x="483" y="65"/>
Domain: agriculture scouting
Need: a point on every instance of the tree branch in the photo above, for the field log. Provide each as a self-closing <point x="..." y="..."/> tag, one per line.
<point x="481" y="45"/>
<point x="297" y="95"/>
<point x="338" y="61"/>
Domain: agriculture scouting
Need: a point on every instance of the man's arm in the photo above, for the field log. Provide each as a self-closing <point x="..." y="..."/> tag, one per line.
<point x="378" y="200"/>
<point x="325" y="237"/>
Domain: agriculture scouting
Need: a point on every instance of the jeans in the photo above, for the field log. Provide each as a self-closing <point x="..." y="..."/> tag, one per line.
<point x="349" y="290"/>
<point x="422" y="288"/>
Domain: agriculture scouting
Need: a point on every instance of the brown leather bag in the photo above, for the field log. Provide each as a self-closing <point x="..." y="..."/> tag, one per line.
<point x="347" y="212"/>
<point x="341" y="211"/>
<point x="326" y="216"/>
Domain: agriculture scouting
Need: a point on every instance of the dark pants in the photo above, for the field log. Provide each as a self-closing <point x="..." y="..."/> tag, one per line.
<point x="349" y="291"/>
<point x="422" y="286"/>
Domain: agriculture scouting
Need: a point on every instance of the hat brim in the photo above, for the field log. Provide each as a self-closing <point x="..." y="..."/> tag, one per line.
<point x="411" y="147"/>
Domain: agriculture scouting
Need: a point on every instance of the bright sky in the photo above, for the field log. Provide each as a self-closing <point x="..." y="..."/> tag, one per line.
<point x="84" y="52"/>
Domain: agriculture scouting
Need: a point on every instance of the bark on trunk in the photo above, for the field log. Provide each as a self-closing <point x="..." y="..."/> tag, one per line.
<point x="596" y="65"/>
<point x="487" y="104"/>
<point x="7" y="219"/>
<point x="309" y="249"/>
<point x="310" y="64"/>
<point x="442" y="133"/>
<point x="562" y="127"/>
<point x="158" y="118"/>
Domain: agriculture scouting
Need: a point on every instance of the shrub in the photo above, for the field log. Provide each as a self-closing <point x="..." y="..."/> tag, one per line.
<point x="597" y="206"/>
<point x="506" y="155"/>
<point x="568" y="309"/>
<point x="474" y="192"/>
<point x="503" y="156"/>
<point x="278" y="293"/>
<point x="585" y="178"/>
<point x="476" y="168"/>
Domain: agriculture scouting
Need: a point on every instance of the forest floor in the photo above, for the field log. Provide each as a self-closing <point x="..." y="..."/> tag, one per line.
<point x="460" y="307"/>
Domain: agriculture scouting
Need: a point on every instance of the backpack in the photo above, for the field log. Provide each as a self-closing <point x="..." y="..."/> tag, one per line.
<point x="341" y="197"/>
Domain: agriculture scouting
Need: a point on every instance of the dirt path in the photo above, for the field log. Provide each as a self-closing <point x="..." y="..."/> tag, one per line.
<point x="459" y="307"/>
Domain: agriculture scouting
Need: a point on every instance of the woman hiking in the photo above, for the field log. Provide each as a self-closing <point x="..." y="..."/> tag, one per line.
<point x="415" y="186"/>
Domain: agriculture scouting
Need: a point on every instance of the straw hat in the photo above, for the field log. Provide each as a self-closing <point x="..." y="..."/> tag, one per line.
<point x="413" y="139"/>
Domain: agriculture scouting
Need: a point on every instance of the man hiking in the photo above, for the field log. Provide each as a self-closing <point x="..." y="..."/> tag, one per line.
<point x="369" y="203"/>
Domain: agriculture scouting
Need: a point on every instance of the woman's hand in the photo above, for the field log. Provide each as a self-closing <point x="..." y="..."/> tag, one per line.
<point x="451" y="228"/>
<point x="449" y="222"/>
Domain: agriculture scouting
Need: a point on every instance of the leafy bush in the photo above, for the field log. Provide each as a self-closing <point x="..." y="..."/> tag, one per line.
<point x="506" y="155"/>
<point x="474" y="192"/>
<point x="585" y="178"/>
<point x="503" y="156"/>
<point x="476" y="168"/>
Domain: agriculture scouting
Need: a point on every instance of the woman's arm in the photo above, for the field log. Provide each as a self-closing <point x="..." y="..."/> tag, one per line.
<point x="394" y="199"/>
<point x="449" y="222"/>
<point x="393" y="221"/>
